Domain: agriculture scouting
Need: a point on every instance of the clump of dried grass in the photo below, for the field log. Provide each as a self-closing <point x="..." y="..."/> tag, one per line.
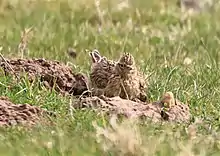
<point x="126" y="139"/>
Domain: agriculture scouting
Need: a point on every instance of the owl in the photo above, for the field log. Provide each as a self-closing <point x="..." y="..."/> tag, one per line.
<point x="103" y="79"/>
<point x="101" y="70"/>
<point x="133" y="84"/>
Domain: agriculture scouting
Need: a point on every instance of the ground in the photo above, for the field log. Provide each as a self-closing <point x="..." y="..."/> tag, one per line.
<point x="180" y="54"/>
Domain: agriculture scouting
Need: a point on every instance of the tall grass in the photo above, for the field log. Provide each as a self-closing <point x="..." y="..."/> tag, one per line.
<point x="180" y="52"/>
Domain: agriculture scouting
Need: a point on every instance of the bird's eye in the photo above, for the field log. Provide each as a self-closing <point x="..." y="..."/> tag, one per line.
<point x="121" y="65"/>
<point x="129" y="68"/>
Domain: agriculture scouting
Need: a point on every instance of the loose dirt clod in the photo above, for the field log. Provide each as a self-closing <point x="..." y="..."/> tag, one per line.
<point x="155" y="111"/>
<point x="24" y="114"/>
<point x="50" y="72"/>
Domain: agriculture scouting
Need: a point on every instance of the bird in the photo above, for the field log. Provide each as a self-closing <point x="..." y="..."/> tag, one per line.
<point x="113" y="87"/>
<point x="133" y="83"/>
<point x="102" y="71"/>
<point x="117" y="78"/>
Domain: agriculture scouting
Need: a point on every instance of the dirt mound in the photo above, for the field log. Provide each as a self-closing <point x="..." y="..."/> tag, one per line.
<point x="155" y="111"/>
<point x="50" y="72"/>
<point x="179" y="112"/>
<point x="13" y="114"/>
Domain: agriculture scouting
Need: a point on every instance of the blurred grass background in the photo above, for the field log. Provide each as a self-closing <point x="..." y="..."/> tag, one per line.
<point x="181" y="53"/>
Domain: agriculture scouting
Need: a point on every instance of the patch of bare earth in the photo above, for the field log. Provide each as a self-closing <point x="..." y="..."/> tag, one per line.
<point x="52" y="74"/>
<point x="155" y="111"/>
<point x="20" y="114"/>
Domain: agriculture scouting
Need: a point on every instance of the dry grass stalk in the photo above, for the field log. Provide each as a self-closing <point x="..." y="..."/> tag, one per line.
<point x="25" y="37"/>
<point x="124" y="138"/>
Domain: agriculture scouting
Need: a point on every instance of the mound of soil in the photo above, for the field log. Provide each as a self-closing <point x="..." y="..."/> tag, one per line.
<point x="50" y="72"/>
<point x="24" y="114"/>
<point x="155" y="111"/>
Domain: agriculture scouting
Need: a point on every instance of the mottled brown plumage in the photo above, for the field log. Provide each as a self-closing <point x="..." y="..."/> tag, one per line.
<point x="120" y="78"/>
<point x="103" y="79"/>
<point x="101" y="70"/>
<point x="113" y="87"/>
<point x="133" y="85"/>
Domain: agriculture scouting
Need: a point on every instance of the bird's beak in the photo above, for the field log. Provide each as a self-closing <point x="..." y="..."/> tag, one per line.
<point x="129" y="67"/>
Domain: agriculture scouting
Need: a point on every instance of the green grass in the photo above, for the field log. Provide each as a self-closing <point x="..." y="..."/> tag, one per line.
<point x="159" y="40"/>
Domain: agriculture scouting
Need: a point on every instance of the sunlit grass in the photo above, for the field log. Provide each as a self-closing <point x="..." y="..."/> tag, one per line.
<point x="181" y="55"/>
